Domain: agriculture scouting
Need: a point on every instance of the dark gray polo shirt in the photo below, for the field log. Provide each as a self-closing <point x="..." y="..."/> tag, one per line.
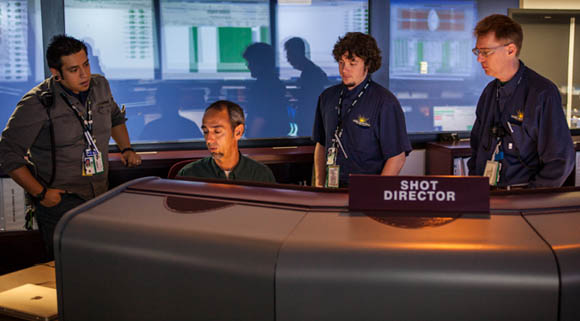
<point x="246" y="170"/>
<point x="28" y="129"/>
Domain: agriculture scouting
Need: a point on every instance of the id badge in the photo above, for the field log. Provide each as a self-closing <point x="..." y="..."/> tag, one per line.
<point x="88" y="167"/>
<point x="331" y="156"/>
<point x="332" y="176"/>
<point x="98" y="159"/>
<point x="492" y="169"/>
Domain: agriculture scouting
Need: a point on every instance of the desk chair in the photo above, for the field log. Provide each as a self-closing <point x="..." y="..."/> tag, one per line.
<point x="174" y="169"/>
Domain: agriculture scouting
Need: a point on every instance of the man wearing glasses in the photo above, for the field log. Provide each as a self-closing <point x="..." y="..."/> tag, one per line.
<point x="520" y="136"/>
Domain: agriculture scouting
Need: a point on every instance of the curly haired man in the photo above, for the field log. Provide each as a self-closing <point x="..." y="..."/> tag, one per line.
<point x="359" y="126"/>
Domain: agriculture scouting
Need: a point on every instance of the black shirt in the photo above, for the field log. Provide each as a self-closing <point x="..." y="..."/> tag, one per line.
<point x="81" y="96"/>
<point x="246" y="170"/>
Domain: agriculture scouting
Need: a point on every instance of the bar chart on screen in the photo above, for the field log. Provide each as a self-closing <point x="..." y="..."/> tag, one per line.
<point x="202" y="40"/>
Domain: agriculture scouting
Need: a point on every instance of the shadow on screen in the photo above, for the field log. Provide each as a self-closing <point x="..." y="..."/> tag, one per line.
<point x="171" y="125"/>
<point x="266" y="105"/>
<point x="310" y="84"/>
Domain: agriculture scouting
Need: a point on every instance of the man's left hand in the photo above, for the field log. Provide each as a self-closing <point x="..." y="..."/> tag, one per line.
<point x="130" y="159"/>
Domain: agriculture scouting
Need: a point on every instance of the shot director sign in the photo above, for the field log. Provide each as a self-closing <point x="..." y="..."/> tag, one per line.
<point x="419" y="193"/>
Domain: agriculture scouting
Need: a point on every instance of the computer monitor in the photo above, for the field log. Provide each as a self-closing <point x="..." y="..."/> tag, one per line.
<point x="206" y="40"/>
<point x="453" y="118"/>
<point x="297" y="19"/>
<point x="119" y="34"/>
<point x="21" y="57"/>
<point x="432" y="39"/>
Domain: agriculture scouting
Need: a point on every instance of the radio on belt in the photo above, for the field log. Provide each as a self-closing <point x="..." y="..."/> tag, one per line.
<point x="425" y="194"/>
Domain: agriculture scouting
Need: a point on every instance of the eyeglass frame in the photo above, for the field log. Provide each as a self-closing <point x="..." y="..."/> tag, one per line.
<point x="477" y="51"/>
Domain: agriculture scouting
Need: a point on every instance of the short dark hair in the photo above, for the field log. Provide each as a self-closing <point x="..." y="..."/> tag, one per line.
<point x="235" y="112"/>
<point x="360" y="45"/>
<point x="504" y="28"/>
<point x="62" y="45"/>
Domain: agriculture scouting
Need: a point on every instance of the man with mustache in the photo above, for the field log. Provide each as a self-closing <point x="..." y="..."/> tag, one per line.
<point x="63" y="127"/>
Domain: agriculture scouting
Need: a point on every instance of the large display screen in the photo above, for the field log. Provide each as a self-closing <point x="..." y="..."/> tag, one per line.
<point x="432" y="70"/>
<point x="21" y="56"/>
<point x="432" y="39"/>
<point x="319" y="23"/>
<point x="120" y="34"/>
<point x="453" y="118"/>
<point x="206" y="40"/>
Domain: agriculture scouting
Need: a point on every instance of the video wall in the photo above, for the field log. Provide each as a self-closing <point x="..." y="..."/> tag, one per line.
<point x="167" y="64"/>
<point x="167" y="60"/>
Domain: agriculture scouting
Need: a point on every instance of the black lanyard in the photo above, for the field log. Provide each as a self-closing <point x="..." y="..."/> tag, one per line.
<point x="497" y="117"/>
<point x="497" y="88"/>
<point x="338" y="130"/>
<point x="86" y="123"/>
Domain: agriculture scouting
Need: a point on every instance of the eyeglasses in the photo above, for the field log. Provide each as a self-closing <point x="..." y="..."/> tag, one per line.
<point x="485" y="52"/>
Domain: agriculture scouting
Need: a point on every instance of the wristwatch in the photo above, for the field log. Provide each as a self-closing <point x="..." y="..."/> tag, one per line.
<point x="40" y="196"/>
<point x="126" y="150"/>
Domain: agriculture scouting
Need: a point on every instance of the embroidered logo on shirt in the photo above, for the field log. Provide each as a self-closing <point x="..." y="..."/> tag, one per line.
<point x="519" y="116"/>
<point x="362" y="121"/>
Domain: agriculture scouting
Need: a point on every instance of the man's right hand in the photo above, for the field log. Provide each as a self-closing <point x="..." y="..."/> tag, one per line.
<point x="319" y="165"/>
<point x="52" y="197"/>
<point x="24" y="178"/>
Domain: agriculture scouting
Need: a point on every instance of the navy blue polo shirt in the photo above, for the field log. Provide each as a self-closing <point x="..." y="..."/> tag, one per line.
<point x="374" y="130"/>
<point x="537" y="145"/>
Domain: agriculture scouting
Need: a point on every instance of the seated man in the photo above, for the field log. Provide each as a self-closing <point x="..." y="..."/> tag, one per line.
<point x="222" y="126"/>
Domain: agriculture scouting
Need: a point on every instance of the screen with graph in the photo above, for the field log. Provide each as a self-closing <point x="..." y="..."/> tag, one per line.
<point x="432" y="39"/>
<point x="119" y="35"/>
<point x="319" y="23"/>
<point x="206" y="40"/>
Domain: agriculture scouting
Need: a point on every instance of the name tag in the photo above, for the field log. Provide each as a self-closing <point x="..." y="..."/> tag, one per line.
<point x="419" y="194"/>
<point x="491" y="171"/>
<point x="333" y="176"/>
<point x="92" y="163"/>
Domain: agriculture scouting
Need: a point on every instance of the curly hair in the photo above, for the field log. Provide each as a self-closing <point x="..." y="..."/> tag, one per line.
<point x="360" y="45"/>
<point x="503" y="27"/>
